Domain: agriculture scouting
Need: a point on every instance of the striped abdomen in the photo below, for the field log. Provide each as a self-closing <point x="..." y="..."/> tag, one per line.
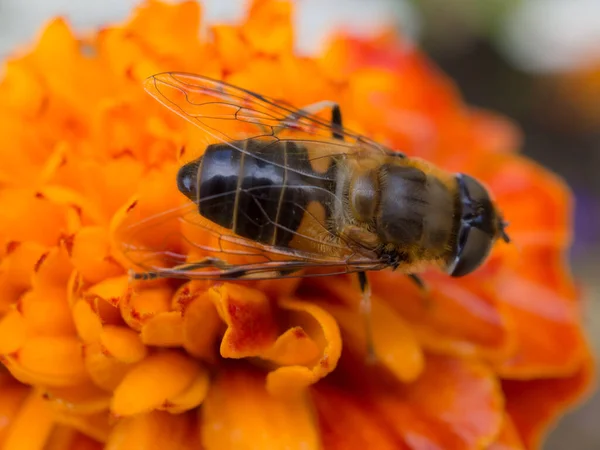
<point x="262" y="193"/>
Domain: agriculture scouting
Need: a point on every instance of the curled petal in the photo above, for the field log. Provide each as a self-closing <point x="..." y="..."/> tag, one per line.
<point x="201" y="327"/>
<point x="291" y="379"/>
<point x="142" y="305"/>
<point x="239" y="401"/>
<point x="251" y="327"/>
<point x="154" y="382"/>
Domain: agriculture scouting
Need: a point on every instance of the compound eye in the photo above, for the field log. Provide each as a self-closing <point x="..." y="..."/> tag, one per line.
<point x="475" y="246"/>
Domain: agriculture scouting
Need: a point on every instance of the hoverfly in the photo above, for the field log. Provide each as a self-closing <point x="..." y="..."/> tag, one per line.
<point x="303" y="196"/>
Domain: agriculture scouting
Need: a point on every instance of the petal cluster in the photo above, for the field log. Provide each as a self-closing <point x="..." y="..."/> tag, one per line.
<point x="95" y="360"/>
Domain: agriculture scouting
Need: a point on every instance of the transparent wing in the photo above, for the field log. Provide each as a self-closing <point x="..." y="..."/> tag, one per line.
<point x="229" y="113"/>
<point x="180" y="242"/>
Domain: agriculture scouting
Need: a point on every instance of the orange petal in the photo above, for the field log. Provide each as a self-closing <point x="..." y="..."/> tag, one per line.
<point x="142" y="305"/>
<point x="164" y="330"/>
<point x="16" y="268"/>
<point x="66" y="438"/>
<point x="34" y="411"/>
<point x="54" y="361"/>
<point x="394" y="342"/>
<point x="509" y="438"/>
<point x="96" y="425"/>
<point x="201" y="327"/>
<point x="293" y="347"/>
<point x="238" y="401"/>
<point x="83" y="399"/>
<point x="13" y="395"/>
<point x="13" y="332"/>
<point x="347" y="422"/>
<point x="455" y="404"/>
<point x="20" y="210"/>
<point x="535" y="405"/>
<point x="251" y="328"/>
<point x="540" y="317"/>
<point x="191" y="397"/>
<point x="90" y="255"/>
<point x="123" y="343"/>
<point x="288" y="380"/>
<point x="154" y="381"/>
<point x="46" y="311"/>
<point x="464" y="395"/>
<point x="22" y="91"/>
<point x="454" y="316"/>
<point x="87" y="322"/>
<point x="105" y="371"/>
<point x="268" y="28"/>
<point x="150" y="432"/>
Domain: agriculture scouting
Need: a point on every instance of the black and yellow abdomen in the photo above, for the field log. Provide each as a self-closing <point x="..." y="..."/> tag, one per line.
<point x="261" y="193"/>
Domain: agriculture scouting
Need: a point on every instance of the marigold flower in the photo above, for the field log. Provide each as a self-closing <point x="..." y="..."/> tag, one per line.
<point x="92" y="360"/>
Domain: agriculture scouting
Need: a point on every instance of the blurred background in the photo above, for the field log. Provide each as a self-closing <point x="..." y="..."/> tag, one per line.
<point x="536" y="61"/>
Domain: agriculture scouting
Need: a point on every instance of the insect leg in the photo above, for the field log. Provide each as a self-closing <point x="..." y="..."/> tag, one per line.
<point x="365" y="306"/>
<point x="172" y="273"/>
<point x="315" y="108"/>
<point x="418" y="281"/>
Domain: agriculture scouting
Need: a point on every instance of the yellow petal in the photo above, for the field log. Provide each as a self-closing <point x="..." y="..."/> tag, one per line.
<point x="87" y="322"/>
<point x="201" y="326"/>
<point x="34" y="411"/>
<point x="53" y="361"/>
<point x="153" y="382"/>
<point x="164" y="330"/>
<point x="191" y="397"/>
<point x="239" y="413"/>
<point x="293" y="347"/>
<point x="105" y="371"/>
<point x="123" y="343"/>
<point x="13" y="332"/>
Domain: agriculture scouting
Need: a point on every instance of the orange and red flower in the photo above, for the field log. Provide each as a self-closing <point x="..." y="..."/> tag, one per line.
<point x="484" y="362"/>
